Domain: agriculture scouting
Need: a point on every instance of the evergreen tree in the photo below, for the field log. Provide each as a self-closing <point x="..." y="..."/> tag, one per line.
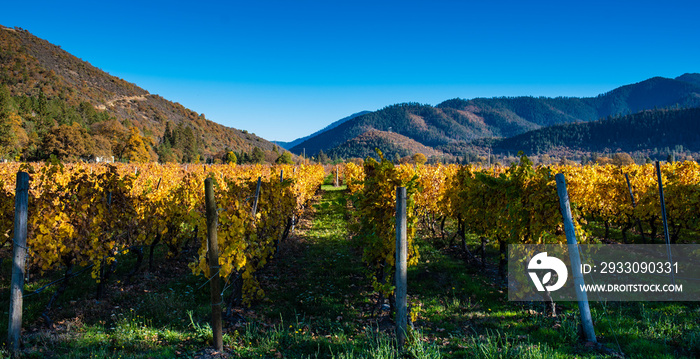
<point x="322" y="157"/>
<point x="258" y="156"/>
<point x="167" y="139"/>
<point x="188" y="144"/>
<point x="9" y="119"/>
<point x="44" y="121"/>
<point x="166" y="154"/>
<point x="243" y="158"/>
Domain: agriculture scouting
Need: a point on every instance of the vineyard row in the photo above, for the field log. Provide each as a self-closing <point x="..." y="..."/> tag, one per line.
<point x="85" y="215"/>
<point x="516" y="204"/>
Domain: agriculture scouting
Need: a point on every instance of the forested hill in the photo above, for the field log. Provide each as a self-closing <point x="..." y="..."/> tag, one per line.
<point x="392" y="145"/>
<point x="457" y="121"/>
<point x="657" y="92"/>
<point x="425" y="124"/>
<point x="54" y="103"/>
<point x="643" y="131"/>
<point x="692" y="78"/>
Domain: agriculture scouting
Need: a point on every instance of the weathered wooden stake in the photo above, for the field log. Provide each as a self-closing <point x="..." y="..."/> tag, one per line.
<point x="216" y="301"/>
<point x="294" y="219"/>
<point x="663" y="216"/>
<point x="18" y="261"/>
<point x="257" y="195"/>
<point x="634" y="205"/>
<point x="570" y="230"/>
<point x="401" y="271"/>
<point x="629" y="188"/>
<point x="281" y="176"/>
<point x="336" y="177"/>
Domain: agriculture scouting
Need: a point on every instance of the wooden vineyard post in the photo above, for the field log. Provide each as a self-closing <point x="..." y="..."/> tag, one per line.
<point x="216" y="301"/>
<point x="401" y="269"/>
<point x="629" y="188"/>
<point x="665" y="219"/>
<point x="634" y="205"/>
<point x="257" y="195"/>
<point x="294" y="219"/>
<point x="581" y="296"/>
<point x="18" y="261"/>
<point x="336" y="177"/>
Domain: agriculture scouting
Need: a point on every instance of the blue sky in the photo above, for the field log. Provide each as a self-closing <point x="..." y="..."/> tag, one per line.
<point x="284" y="69"/>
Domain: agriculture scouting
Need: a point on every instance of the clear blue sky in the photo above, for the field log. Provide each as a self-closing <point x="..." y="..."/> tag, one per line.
<point x="284" y="69"/>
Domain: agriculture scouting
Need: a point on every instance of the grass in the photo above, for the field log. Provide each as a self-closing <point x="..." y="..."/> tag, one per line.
<point x="320" y="305"/>
<point x="474" y="313"/>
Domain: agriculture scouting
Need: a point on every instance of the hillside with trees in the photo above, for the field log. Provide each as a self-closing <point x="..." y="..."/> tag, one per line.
<point x="52" y="103"/>
<point x="454" y="123"/>
<point x="425" y="124"/>
<point x="393" y="145"/>
<point x="650" y="130"/>
<point x="691" y="78"/>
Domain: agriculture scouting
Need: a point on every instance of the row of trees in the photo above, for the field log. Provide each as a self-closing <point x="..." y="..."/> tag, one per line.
<point x="255" y="156"/>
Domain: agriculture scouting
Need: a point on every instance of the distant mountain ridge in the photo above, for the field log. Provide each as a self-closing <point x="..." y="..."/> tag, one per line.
<point x="691" y="78"/>
<point x="288" y="145"/>
<point x="460" y="121"/>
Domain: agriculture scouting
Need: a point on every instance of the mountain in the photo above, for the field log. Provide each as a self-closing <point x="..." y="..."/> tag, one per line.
<point x="51" y="102"/>
<point x="425" y="124"/>
<point x="691" y="78"/>
<point x="642" y="131"/>
<point x="288" y="145"/>
<point x="460" y="121"/>
<point x="657" y="92"/>
<point x="391" y="144"/>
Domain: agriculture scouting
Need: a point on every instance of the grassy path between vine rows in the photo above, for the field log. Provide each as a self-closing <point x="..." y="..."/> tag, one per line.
<point x="319" y="305"/>
<point x="320" y="293"/>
